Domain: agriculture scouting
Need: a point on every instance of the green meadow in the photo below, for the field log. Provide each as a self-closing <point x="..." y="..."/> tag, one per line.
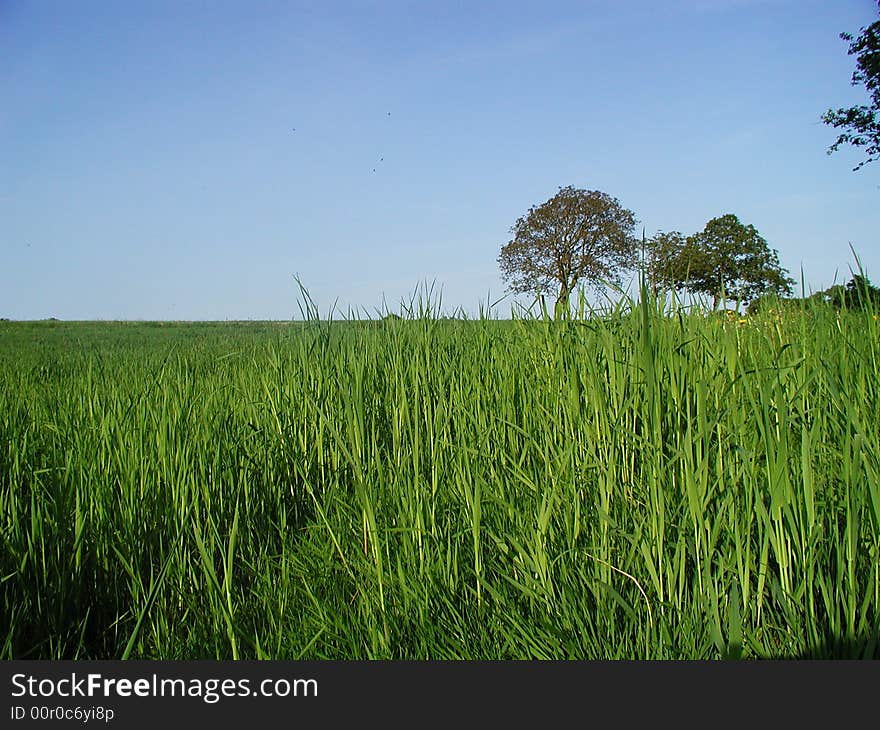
<point x="642" y="484"/>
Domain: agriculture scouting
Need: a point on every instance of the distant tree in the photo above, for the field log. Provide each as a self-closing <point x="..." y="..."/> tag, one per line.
<point x="861" y="124"/>
<point x="668" y="261"/>
<point x="858" y="293"/>
<point x="835" y="295"/>
<point x="578" y="236"/>
<point x="726" y="260"/>
<point x="861" y="294"/>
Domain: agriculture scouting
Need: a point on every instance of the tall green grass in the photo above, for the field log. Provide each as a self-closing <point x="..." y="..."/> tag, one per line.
<point x="644" y="484"/>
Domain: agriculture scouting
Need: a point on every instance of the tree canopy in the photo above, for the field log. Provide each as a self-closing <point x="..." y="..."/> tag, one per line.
<point x="727" y="260"/>
<point x="577" y="236"/>
<point x="668" y="262"/>
<point x="858" y="293"/>
<point x="861" y="123"/>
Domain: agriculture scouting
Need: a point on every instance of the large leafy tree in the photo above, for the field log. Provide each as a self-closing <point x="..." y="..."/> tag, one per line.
<point x="727" y="260"/>
<point x="667" y="264"/>
<point x="576" y="237"/>
<point x="861" y="123"/>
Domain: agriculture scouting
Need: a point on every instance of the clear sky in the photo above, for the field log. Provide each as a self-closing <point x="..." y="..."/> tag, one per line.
<point x="184" y="160"/>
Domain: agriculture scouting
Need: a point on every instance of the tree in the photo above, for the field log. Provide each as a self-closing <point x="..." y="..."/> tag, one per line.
<point x="858" y="293"/>
<point x="726" y="260"/>
<point x="861" y="124"/>
<point x="861" y="294"/>
<point x="576" y="236"/>
<point x="667" y="264"/>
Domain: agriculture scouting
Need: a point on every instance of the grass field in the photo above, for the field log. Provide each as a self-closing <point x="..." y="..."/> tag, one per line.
<point x="631" y="486"/>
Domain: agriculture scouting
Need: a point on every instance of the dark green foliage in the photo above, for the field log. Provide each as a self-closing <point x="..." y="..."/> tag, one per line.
<point x="578" y="236"/>
<point x="861" y="123"/>
<point x="857" y="293"/>
<point x="727" y="260"/>
<point x="835" y="295"/>
<point x="668" y="261"/>
<point x="861" y="294"/>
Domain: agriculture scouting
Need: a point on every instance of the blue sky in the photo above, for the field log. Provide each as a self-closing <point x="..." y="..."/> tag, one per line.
<point x="149" y="167"/>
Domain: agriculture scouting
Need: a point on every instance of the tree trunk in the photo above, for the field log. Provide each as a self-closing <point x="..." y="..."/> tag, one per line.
<point x="561" y="310"/>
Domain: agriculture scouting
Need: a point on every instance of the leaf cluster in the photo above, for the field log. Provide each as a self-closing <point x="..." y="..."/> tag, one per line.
<point x="577" y="236"/>
<point x="861" y="123"/>
<point x="858" y="293"/>
<point x="726" y="260"/>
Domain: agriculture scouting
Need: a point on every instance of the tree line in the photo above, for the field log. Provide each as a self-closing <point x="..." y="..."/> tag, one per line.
<point x="587" y="238"/>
